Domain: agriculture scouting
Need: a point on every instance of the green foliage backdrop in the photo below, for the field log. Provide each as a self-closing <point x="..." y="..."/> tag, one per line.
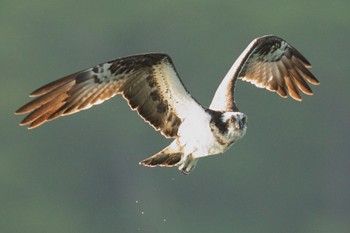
<point x="81" y="174"/>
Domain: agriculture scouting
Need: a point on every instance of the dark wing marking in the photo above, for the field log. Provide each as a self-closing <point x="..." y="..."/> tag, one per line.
<point x="268" y="62"/>
<point x="148" y="82"/>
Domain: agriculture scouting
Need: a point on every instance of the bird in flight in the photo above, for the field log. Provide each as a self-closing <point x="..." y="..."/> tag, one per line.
<point x="151" y="86"/>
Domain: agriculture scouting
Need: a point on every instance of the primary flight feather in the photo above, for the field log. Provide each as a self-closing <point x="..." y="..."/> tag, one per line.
<point x="152" y="87"/>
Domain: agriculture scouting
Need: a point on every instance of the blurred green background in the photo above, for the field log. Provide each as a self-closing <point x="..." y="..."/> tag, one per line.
<point x="80" y="173"/>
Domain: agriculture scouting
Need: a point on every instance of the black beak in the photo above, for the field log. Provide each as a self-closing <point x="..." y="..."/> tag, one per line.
<point x="242" y="122"/>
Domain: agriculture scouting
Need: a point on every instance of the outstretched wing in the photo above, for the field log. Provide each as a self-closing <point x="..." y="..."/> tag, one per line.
<point x="268" y="62"/>
<point x="148" y="82"/>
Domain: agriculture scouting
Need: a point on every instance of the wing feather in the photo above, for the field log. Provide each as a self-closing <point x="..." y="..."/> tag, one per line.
<point x="149" y="83"/>
<point x="268" y="62"/>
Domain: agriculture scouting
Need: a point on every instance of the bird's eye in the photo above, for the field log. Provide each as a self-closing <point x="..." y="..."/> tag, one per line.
<point x="232" y="120"/>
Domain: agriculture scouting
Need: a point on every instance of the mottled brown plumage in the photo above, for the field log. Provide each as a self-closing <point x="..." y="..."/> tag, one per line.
<point x="132" y="77"/>
<point x="268" y="62"/>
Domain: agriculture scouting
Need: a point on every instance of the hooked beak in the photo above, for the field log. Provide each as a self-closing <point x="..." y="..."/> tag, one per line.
<point x="243" y="122"/>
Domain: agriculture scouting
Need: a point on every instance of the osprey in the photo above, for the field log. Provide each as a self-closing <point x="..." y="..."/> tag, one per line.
<point x="152" y="87"/>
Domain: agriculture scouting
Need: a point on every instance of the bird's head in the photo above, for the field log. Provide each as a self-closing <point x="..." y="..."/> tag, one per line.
<point x="235" y="120"/>
<point x="229" y="127"/>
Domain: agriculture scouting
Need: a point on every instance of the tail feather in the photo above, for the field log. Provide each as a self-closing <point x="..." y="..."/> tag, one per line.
<point x="164" y="158"/>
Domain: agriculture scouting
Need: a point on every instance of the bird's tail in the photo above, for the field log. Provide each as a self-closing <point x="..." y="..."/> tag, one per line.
<point x="168" y="157"/>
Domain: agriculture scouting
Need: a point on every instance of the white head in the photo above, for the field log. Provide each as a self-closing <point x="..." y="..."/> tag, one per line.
<point x="228" y="127"/>
<point x="236" y="119"/>
<point x="236" y="124"/>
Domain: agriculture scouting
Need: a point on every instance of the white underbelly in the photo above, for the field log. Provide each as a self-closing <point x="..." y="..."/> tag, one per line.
<point x="200" y="142"/>
<point x="196" y="138"/>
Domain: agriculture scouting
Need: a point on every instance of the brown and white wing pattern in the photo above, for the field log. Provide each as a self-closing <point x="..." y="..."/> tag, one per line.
<point x="148" y="82"/>
<point x="268" y="62"/>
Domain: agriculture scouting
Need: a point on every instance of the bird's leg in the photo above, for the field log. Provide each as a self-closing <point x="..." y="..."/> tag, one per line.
<point x="188" y="165"/>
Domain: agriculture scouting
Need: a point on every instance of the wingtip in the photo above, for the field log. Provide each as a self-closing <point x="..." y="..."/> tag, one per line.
<point x="34" y="94"/>
<point x="25" y="124"/>
<point x="39" y="92"/>
<point x="17" y="112"/>
<point x="315" y="82"/>
<point x="32" y="127"/>
<point x="24" y="109"/>
<point x="28" y="127"/>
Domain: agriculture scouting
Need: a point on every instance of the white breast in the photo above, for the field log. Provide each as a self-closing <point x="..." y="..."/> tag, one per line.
<point x="197" y="139"/>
